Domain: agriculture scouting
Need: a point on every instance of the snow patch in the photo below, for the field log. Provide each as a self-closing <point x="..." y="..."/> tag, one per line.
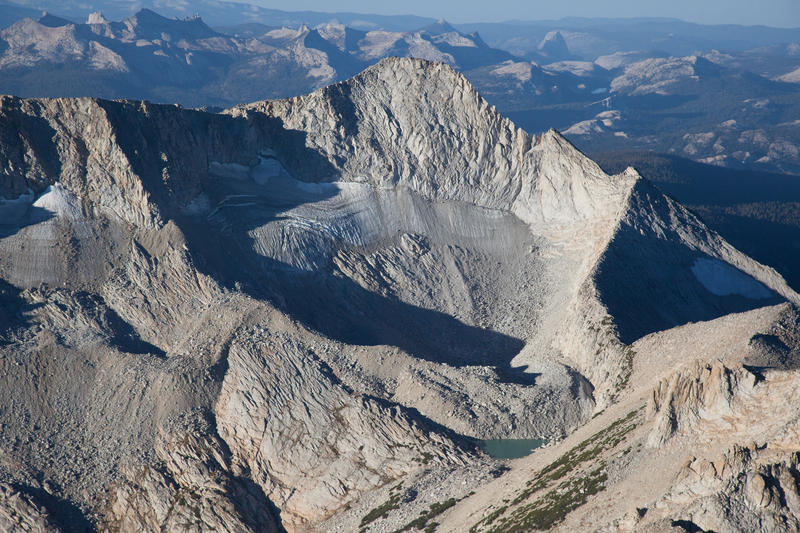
<point x="266" y="169"/>
<point x="61" y="202"/>
<point x="722" y="279"/>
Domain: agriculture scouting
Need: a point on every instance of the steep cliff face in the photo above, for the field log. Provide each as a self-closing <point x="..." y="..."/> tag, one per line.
<point x="421" y="125"/>
<point x="192" y="488"/>
<point x="299" y="418"/>
<point x="126" y="159"/>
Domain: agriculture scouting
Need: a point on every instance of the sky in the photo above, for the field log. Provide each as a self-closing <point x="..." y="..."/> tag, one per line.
<point x="780" y="13"/>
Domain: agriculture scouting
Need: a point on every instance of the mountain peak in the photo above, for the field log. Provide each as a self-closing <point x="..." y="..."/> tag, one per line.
<point x="418" y="124"/>
<point x="145" y="14"/>
<point x="149" y="24"/>
<point x="554" y="46"/>
<point x="52" y="21"/>
<point x="416" y="70"/>
<point x="96" y="18"/>
<point x="414" y="106"/>
<point x="439" y="27"/>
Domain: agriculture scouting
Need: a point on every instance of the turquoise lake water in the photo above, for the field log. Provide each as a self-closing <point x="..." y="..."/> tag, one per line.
<point x="510" y="448"/>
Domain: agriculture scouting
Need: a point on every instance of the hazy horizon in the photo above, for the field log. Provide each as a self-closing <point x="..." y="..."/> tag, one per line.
<point x="776" y="13"/>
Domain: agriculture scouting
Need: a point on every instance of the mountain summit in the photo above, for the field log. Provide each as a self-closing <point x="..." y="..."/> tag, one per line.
<point x="439" y="27"/>
<point x="554" y="47"/>
<point x="147" y="24"/>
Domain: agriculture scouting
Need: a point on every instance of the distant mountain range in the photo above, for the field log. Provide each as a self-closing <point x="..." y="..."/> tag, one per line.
<point x="219" y="13"/>
<point x="148" y="56"/>
<point x="725" y="95"/>
<point x="585" y="37"/>
<point x="591" y="37"/>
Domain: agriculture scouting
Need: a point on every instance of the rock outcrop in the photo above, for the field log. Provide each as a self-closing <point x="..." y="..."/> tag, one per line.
<point x="192" y="488"/>
<point x="311" y="443"/>
<point x="710" y="447"/>
<point x="21" y="512"/>
<point x="746" y="488"/>
<point x="700" y="391"/>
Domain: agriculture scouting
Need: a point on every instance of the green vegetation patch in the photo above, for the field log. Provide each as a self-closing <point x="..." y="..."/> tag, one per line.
<point x="624" y="375"/>
<point x="382" y="510"/>
<point x="424" y="520"/>
<point x="554" y="506"/>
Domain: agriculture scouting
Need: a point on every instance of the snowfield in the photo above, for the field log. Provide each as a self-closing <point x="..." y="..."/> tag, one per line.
<point x="724" y="280"/>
